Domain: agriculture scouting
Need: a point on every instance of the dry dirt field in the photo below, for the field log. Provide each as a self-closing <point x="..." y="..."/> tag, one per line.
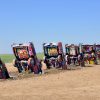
<point x="80" y="84"/>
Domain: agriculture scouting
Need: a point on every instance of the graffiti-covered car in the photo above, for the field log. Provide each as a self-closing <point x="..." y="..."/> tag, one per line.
<point x="25" y="57"/>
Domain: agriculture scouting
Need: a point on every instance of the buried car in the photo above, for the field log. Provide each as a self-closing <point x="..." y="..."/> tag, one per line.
<point x="89" y="52"/>
<point x="26" y="58"/>
<point x="72" y="52"/>
<point x="97" y="51"/>
<point x="52" y="53"/>
<point x="3" y="71"/>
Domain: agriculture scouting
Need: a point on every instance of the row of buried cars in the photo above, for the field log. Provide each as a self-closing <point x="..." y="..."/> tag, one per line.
<point x="74" y="54"/>
<point x="26" y="58"/>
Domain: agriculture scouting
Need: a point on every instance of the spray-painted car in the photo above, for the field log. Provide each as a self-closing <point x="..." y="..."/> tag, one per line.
<point x="3" y="71"/>
<point x="26" y="58"/>
<point x="72" y="52"/>
<point x="97" y="50"/>
<point x="89" y="53"/>
<point x="52" y="52"/>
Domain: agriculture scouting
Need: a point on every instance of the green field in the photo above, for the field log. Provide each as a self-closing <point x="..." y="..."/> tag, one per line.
<point x="7" y="58"/>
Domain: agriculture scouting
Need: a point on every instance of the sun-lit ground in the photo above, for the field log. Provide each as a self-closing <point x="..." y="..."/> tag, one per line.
<point x="80" y="84"/>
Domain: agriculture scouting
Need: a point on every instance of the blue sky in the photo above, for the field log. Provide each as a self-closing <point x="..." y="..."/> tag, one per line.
<point x="69" y="21"/>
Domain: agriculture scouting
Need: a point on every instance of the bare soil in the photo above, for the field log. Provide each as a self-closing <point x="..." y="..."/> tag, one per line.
<point x="73" y="84"/>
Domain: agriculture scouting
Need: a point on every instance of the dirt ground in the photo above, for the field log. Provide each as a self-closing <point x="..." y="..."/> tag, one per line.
<point x="79" y="84"/>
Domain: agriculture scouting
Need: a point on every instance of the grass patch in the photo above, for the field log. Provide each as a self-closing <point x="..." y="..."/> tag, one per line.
<point x="7" y="58"/>
<point x="40" y="55"/>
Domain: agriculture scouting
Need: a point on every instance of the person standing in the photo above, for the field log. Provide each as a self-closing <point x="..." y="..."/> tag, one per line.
<point x="31" y="64"/>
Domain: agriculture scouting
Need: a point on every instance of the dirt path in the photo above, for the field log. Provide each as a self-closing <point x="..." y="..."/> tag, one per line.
<point x="81" y="84"/>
